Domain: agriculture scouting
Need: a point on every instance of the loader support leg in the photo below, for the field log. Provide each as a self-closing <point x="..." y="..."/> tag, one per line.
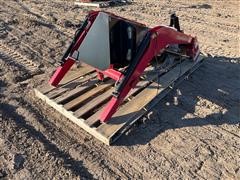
<point x="61" y="71"/>
<point x="110" y="109"/>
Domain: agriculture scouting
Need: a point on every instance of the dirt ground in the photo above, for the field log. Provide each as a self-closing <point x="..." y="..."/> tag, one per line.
<point x="194" y="133"/>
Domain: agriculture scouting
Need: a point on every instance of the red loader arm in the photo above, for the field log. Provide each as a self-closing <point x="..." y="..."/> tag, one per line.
<point x="154" y="43"/>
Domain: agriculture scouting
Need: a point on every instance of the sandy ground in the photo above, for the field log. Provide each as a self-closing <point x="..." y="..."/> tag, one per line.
<point x="192" y="134"/>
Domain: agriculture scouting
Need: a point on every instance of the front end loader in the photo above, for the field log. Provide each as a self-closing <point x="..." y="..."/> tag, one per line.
<point x="122" y="49"/>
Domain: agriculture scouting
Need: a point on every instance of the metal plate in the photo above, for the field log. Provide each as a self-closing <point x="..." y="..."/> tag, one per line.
<point x="95" y="48"/>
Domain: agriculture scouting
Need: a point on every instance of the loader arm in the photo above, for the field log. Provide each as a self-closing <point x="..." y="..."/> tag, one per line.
<point x="155" y="41"/>
<point x="67" y="60"/>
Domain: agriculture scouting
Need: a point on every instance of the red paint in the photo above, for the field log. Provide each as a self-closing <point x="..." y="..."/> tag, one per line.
<point x="61" y="71"/>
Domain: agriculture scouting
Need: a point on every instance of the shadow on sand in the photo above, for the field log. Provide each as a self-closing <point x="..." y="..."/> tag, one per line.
<point x="217" y="81"/>
<point x="75" y="166"/>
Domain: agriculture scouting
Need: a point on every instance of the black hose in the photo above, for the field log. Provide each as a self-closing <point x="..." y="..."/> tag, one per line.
<point x="76" y="36"/>
<point x="131" y="69"/>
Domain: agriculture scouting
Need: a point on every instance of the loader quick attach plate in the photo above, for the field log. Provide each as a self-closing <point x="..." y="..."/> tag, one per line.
<point x="81" y="98"/>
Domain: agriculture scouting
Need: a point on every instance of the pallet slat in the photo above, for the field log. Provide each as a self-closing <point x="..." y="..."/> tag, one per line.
<point x="87" y="95"/>
<point x="70" y="76"/>
<point x="73" y="84"/>
<point x="92" y="104"/>
<point x="93" y="119"/>
<point x="77" y="91"/>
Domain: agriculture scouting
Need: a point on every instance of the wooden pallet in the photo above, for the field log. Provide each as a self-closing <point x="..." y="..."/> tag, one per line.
<point x="81" y="98"/>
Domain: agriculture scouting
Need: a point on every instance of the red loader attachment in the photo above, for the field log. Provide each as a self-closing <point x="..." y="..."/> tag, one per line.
<point x="122" y="49"/>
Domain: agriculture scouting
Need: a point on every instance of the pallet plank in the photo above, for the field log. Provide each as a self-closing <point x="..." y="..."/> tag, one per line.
<point x="94" y="118"/>
<point x="95" y="102"/>
<point x="77" y="91"/>
<point x="69" y="86"/>
<point x="70" y="76"/>
<point x="75" y="102"/>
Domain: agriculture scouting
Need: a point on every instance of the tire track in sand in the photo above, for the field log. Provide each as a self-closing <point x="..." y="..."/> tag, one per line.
<point x="14" y="58"/>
